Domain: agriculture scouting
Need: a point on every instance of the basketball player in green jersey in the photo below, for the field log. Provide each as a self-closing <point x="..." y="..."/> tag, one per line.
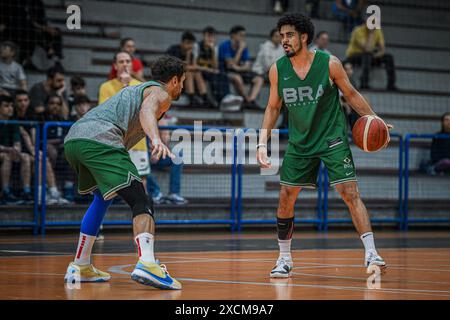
<point x="96" y="147"/>
<point x="307" y="83"/>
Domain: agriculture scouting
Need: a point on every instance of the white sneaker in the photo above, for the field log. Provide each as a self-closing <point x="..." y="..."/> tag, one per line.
<point x="158" y="199"/>
<point x="51" y="199"/>
<point x="174" y="198"/>
<point x="231" y="102"/>
<point x="62" y="200"/>
<point x="373" y="259"/>
<point x="282" y="269"/>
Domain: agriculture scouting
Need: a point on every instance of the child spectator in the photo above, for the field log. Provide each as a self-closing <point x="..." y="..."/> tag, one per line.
<point x="78" y="88"/>
<point x="10" y="152"/>
<point x="12" y="76"/>
<point x="28" y="140"/>
<point x="81" y="106"/>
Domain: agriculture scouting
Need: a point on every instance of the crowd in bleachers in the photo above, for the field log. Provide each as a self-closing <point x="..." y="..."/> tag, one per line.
<point x="220" y="75"/>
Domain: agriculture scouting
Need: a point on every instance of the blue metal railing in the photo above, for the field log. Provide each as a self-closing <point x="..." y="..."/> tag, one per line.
<point x="405" y="209"/>
<point x="236" y="219"/>
<point x="35" y="222"/>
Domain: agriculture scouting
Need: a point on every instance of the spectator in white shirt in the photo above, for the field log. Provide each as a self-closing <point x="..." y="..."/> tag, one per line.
<point x="268" y="53"/>
<point x="321" y="42"/>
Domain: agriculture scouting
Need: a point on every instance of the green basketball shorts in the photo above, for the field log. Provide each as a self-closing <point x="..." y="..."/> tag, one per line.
<point x="299" y="171"/>
<point x="100" y="166"/>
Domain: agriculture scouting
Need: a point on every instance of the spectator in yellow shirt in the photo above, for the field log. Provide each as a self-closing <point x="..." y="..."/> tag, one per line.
<point x="367" y="48"/>
<point x="122" y="63"/>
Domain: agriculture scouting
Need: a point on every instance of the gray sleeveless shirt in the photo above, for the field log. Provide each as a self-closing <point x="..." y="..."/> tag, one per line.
<point x="115" y="122"/>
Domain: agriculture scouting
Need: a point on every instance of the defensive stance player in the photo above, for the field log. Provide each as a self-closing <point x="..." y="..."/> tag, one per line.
<point x="96" y="147"/>
<point x="307" y="83"/>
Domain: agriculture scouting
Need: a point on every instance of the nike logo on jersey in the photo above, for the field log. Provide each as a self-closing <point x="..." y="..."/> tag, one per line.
<point x="287" y="78"/>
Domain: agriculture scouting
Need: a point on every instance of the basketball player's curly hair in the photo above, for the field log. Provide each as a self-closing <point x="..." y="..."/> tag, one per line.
<point x="301" y="23"/>
<point x="166" y="67"/>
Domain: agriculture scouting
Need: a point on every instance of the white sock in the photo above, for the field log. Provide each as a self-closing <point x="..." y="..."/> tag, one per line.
<point x="368" y="242"/>
<point x="85" y="244"/>
<point x="144" y="242"/>
<point x="285" y="249"/>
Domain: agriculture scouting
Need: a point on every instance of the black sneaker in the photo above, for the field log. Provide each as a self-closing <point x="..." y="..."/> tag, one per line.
<point x="208" y="102"/>
<point x="27" y="198"/>
<point x="9" y="198"/>
<point x="251" y="105"/>
<point x="196" y="102"/>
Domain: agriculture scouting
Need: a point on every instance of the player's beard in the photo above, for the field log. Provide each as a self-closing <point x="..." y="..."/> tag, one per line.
<point x="177" y="96"/>
<point x="292" y="53"/>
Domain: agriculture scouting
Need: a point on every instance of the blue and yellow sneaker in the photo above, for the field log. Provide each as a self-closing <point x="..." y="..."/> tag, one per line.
<point x="85" y="273"/>
<point x="155" y="275"/>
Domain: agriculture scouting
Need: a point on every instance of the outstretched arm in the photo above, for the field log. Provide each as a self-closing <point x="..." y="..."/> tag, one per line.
<point x="270" y="117"/>
<point x="157" y="102"/>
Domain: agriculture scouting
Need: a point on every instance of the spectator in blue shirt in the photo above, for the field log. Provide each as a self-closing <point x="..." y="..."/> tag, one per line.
<point x="234" y="59"/>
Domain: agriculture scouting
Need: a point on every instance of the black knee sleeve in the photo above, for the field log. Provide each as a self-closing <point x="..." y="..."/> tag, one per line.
<point x="137" y="199"/>
<point x="285" y="228"/>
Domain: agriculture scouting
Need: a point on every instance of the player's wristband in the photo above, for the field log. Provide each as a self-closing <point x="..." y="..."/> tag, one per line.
<point x="261" y="145"/>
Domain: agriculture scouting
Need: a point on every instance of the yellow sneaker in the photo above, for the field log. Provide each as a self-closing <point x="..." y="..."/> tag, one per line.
<point x="85" y="273"/>
<point x="155" y="275"/>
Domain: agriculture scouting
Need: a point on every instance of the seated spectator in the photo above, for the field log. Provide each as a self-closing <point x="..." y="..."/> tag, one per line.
<point x="78" y="88"/>
<point x="174" y="196"/>
<point x="205" y="54"/>
<point x="440" y="149"/>
<point x="81" y="106"/>
<point x="321" y="42"/>
<point x="366" y="48"/>
<point x="235" y="60"/>
<point x="12" y="76"/>
<point x="137" y="69"/>
<point x="10" y="152"/>
<point x="55" y="146"/>
<point x="28" y="141"/>
<point x="185" y="52"/>
<point x="122" y="65"/>
<point x="349" y="12"/>
<point x="53" y="85"/>
<point x="268" y="53"/>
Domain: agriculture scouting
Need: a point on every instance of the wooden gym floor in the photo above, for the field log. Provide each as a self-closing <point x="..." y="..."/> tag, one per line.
<point x="220" y="265"/>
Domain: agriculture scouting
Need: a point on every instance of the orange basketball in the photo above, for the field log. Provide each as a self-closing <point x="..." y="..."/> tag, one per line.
<point x="370" y="133"/>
